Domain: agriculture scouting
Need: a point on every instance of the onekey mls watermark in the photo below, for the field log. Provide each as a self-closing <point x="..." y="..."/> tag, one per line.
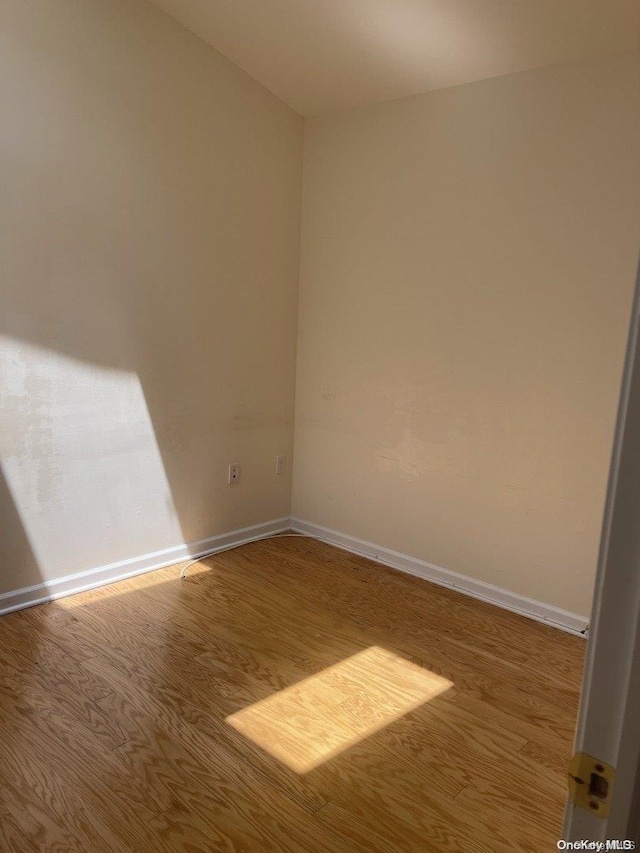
<point x="611" y="844"/>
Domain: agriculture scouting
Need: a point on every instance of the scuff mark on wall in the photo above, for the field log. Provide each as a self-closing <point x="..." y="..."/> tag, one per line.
<point x="327" y="393"/>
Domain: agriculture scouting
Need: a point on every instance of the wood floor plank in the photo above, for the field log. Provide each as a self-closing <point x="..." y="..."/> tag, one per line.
<point x="42" y="794"/>
<point x="52" y="718"/>
<point x="427" y="813"/>
<point x="13" y="838"/>
<point x="55" y="749"/>
<point x="237" y="815"/>
<point x="195" y="828"/>
<point x="417" y="632"/>
<point x="466" y="619"/>
<point x="530" y="725"/>
<point x="305" y="652"/>
<point x="555" y="756"/>
<point x="163" y="642"/>
<point x="205" y="733"/>
<point x="280" y="698"/>
<point x="472" y="675"/>
<point x="32" y="826"/>
<point x="387" y="607"/>
<point x="196" y="774"/>
<point x="367" y="828"/>
<point x="501" y="814"/>
<point x="363" y="835"/>
<point x="60" y="692"/>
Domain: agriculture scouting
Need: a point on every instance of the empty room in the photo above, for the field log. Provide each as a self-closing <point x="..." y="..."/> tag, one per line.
<point x="319" y="426"/>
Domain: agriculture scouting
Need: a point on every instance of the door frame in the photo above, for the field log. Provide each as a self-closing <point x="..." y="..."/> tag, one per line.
<point x="609" y="718"/>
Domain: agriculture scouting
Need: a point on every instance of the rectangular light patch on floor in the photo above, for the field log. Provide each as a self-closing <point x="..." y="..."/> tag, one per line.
<point x="318" y="718"/>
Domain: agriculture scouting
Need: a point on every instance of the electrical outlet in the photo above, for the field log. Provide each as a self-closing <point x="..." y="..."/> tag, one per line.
<point x="234" y="472"/>
<point x="281" y="464"/>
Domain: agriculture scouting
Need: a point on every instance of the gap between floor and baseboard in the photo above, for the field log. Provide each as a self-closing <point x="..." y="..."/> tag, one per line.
<point x="113" y="572"/>
<point x="507" y="600"/>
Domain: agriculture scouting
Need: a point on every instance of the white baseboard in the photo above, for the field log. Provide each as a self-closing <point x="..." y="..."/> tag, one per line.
<point x="503" y="598"/>
<point x="69" y="585"/>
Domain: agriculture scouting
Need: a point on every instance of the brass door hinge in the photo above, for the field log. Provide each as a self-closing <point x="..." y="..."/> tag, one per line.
<point x="591" y="784"/>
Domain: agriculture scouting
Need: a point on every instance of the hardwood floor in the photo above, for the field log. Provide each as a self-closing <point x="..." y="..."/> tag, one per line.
<point x="285" y="696"/>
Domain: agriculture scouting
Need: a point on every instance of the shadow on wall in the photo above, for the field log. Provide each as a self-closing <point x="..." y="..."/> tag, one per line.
<point x="107" y="417"/>
<point x="78" y="330"/>
<point x="17" y="559"/>
<point x="139" y="336"/>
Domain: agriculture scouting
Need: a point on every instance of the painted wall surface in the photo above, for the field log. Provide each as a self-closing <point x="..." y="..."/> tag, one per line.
<point x="468" y="259"/>
<point x="150" y="236"/>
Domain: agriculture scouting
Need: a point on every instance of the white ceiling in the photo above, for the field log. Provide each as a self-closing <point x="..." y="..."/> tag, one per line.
<point x="324" y="55"/>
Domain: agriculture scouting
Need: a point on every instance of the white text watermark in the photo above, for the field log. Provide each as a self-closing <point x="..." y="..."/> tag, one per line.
<point x="611" y="844"/>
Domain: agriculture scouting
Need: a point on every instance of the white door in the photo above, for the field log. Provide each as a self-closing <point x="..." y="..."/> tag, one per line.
<point x="609" y="719"/>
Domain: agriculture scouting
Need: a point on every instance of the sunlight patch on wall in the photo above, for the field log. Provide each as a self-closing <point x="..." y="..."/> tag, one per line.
<point x="318" y="718"/>
<point x="415" y="37"/>
<point x="79" y="453"/>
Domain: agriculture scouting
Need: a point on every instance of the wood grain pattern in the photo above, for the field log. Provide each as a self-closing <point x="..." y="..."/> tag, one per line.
<point x="161" y="714"/>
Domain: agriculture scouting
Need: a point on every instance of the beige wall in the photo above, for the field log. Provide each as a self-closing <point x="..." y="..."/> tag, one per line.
<point x="151" y="200"/>
<point x="468" y="258"/>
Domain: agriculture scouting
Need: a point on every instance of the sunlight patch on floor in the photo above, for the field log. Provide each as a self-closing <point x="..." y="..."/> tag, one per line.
<point x="318" y="718"/>
<point x="137" y="583"/>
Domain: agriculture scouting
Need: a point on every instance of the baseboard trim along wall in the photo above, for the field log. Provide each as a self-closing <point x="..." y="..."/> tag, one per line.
<point x="103" y="575"/>
<point x="547" y="613"/>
